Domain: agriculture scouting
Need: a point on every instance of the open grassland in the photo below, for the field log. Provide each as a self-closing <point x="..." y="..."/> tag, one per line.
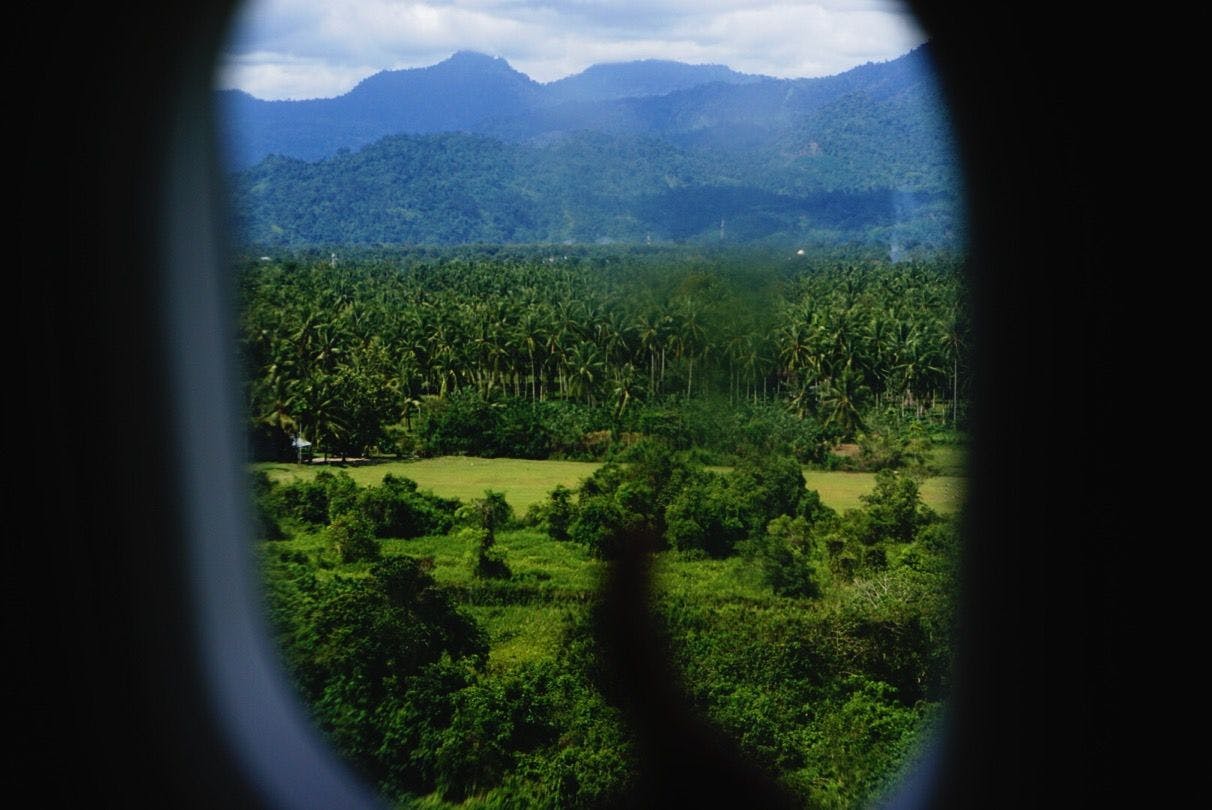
<point x="522" y="480"/>
<point x="526" y="482"/>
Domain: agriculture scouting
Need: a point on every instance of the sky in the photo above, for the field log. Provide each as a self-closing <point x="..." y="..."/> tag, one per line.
<point x="299" y="49"/>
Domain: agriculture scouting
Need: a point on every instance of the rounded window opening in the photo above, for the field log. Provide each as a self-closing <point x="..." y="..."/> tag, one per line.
<point x="527" y="290"/>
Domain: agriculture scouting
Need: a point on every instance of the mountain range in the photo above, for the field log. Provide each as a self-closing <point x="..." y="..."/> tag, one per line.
<point x="471" y="150"/>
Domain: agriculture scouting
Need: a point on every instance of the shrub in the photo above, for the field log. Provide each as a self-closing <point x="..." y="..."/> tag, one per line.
<point x="304" y="501"/>
<point x="494" y="511"/>
<point x="341" y="490"/>
<point x="352" y="538"/>
<point x="891" y="443"/>
<point x="894" y="509"/>
<point x="706" y="515"/>
<point x="394" y="511"/>
<point x="458" y="424"/>
<point x="380" y="658"/>
<point x="398" y="509"/>
<point x="559" y="512"/>
<point x="767" y="488"/>
<point x="785" y="554"/>
<point x="601" y="525"/>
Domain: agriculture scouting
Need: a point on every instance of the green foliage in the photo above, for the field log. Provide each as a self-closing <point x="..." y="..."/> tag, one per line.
<point x="352" y="537"/>
<point x="788" y="558"/>
<point x="493" y="511"/>
<point x="304" y="501"/>
<point x="895" y="512"/>
<point x="520" y="353"/>
<point x="826" y="692"/>
<point x="854" y="749"/>
<point x="706" y="515"/>
<point x="820" y="653"/>
<point x="602" y="525"/>
<point x="767" y="487"/>
<point x="378" y="659"/>
<point x="559" y="513"/>
<point x="619" y="505"/>
<point x="341" y="490"/>
<point x="890" y="442"/>
<point x="485" y="561"/>
<point x="397" y="509"/>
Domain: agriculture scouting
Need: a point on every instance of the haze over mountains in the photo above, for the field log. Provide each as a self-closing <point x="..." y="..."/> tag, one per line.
<point x="470" y="150"/>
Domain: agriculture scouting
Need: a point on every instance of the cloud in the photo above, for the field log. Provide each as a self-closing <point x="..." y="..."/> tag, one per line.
<point x="313" y="48"/>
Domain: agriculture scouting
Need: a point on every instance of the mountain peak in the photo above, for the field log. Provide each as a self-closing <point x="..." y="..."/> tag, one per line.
<point x="472" y="56"/>
<point x="475" y="60"/>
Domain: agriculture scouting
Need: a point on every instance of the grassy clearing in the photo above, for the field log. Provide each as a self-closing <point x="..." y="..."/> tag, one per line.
<point x="708" y="581"/>
<point x="841" y="490"/>
<point x="548" y="569"/>
<point x="525" y="482"/>
<point x="522" y="480"/>
<point x="522" y="634"/>
<point x="551" y="581"/>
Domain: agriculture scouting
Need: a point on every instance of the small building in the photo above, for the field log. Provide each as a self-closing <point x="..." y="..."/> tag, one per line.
<point x="302" y="449"/>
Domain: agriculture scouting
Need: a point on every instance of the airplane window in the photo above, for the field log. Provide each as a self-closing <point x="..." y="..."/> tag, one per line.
<point x="603" y="377"/>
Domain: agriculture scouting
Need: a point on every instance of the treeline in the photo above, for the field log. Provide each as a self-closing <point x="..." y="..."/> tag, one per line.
<point x="826" y="677"/>
<point x="548" y="353"/>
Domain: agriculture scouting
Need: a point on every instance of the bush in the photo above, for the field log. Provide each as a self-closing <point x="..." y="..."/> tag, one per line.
<point x="341" y="490"/>
<point x="559" y="513"/>
<point x="706" y="515"/>
<point x="895" y="511"/>
<point x="397" y="509"/>
<point x="493" y="511"/>
<point x="878" y="732"/>
<point x="602" y="526"/>
<point x="890" y="442"/>
<point x="395" y="512"/>
<point x="352" y="538"/>
<point x="786" y="556"/>
<point x="766" y="488"/>
<point x="380" y="658"/>
<point x="304" y="501"/>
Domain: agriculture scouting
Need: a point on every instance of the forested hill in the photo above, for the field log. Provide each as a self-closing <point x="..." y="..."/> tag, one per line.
<point x="476" y="152"/>
<point x="588" y="188"/>
<point x="471" y="92"/>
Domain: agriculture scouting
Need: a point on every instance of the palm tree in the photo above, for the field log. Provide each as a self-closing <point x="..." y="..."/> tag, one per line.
<point x="624" y="383"/>
<point x="648" y="330"/>
<point x="584" y="370"/>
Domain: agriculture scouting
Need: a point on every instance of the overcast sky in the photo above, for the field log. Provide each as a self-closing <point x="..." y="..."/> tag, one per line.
<point x="320" y="48"/>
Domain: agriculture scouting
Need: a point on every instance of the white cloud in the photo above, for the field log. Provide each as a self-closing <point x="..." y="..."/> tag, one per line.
<point x="314" y="48"/>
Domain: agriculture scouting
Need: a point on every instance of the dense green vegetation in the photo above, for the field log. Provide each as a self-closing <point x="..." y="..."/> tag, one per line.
<point x="448" y="644"/>
<point x="461" y="665"/>
<point x="527" y="353"/>
<point x="454" y="189"/>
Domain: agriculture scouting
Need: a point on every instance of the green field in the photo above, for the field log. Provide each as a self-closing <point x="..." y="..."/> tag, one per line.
<point x="525" y="482"/>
